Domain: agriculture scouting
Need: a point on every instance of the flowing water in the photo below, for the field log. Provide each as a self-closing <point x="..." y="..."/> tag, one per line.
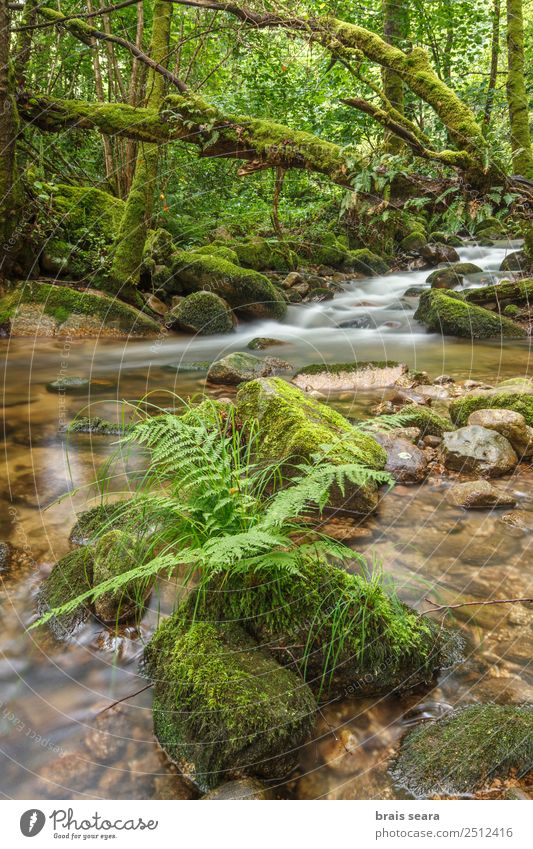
<point x="55" y="741"/>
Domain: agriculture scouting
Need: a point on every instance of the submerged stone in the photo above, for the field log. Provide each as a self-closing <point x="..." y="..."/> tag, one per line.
<point x="478" y="494"/>
<point x="244" y="788"/>
<point x="222" y="706"/>
<point x="405" y="462"/>
<point x="260" y="343"/>
<point x="466" y="749"/>
<point x="293" y="426"/>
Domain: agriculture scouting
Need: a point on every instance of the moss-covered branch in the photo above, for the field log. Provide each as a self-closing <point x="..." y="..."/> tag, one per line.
<point x="192" y="120"/>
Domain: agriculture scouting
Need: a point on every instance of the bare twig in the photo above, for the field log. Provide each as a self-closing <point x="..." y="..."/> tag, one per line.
<point x="473" y="603"/>
<point x="125" y="698"/>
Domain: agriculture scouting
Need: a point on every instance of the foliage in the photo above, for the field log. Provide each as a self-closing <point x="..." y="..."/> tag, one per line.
<point x="204" y="503"/>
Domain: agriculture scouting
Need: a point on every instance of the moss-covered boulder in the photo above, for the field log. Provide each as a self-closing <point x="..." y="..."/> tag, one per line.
<point x="429" y="422"/>
<point x="516" y="261"/>
<point x="223" y="251"/>
<point x="452" y="316"/>
<point x="295" y="427"/>
<point x="265" y="254"/>
<point x="202" y="312"/>
<point x="70" y="577"/>
<point x="345" y="634"/>
<point x="500" y="295"/>
<point x="97" y="426"/>
<point x="466" y="750"/>
<point x="520" y="401"/>
<point x="96" y="521"/>
<point x="222" y="705"/>
<point x="42" y="309"/>
<point x="448" y="278"/>
<point x="364" y="261"/>
<point x="239" y="367"/>
<point x="345" y="377"/>
<point x="413" y="242"/>
<point x="113" y="555"/>
<point x="249" y="293"/>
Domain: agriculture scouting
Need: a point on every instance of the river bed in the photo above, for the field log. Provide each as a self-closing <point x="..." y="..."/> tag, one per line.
<point x="55" y="741"/>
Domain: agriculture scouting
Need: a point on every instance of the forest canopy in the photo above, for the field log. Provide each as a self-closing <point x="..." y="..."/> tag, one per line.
<point x="198" y="112"/>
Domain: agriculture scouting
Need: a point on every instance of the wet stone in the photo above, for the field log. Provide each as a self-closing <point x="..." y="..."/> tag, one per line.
<point x="479" y="494"/>
<point x="477" y="450"/>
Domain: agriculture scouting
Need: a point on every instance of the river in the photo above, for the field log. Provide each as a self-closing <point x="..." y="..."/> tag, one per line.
<point x="55" y="740"/>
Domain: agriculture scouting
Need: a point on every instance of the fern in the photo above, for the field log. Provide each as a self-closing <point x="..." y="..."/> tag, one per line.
<point x="386" y="422"/>
<point x="203" y="504"/>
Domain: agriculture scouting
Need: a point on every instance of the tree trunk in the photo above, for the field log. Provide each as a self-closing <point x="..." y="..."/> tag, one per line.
<point x="10" y="205"/>
<point x="494" y="56"/>
<point x="516" y="92"/>
<point x="138" y="212"/>
<point x="395" y="30"/>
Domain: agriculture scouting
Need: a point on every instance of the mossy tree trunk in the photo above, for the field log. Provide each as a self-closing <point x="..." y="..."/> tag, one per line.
<point x="395" y="30"/>
<point x="9" y="179"/>
<point x="139" y="205"/>
<point x="516" y="92"/>
<point x="494" y="57"/>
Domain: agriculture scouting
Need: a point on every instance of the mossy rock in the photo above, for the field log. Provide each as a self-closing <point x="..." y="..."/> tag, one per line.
<point x="452" y="316"/>
<point x="511" y="311"/>
<point x="438" y="237"/>
<point x="97" y="426"/>
<point x="343" y="633"/>
<point x="519" y="292"/>
<point x="97" y="519"/>
<point x="516" y="261"/>
<point x="86" y="212"/>
<point x="218" y="250"/>
<point x="261" y="343"/>
<point x="75" y="313"/>
<point x="427" y="420"/>
<point x="489" y="223"/>
<point x="365" y="262"/>
<point x="528" y="240"/>
<point x="452" y="275"/>
<point x="294" y="427"/>
<point x="323" y="247"/>
<point x="265" y="255"/>
<point x="202" y="312"/>
<point x="158" y="248"/>
<point x="251" y="294"/>
<point x="413" y="242"/>
<point x="70" y="577"/>
<point x="113" y="555"/>
<point x="519" y="401"/>
<point x="239" y="367"/>
<point x="466" y="750"/>
<point x="222" y="705"/>
<point x="62" y="259"/>
<point x="525" y="382"/>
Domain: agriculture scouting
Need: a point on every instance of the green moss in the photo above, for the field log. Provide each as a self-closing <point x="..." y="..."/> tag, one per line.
<point x="158" y="249"/>
<point x="460" y="408"/>
<point x="346" y="633"/>
<point x="222" y="705"/>
<point x="442" y="313"/>
<point x="339" y="368"/>
<point x="429" y="422"/>
<point x="265" y="255"/>
<point x="413" y="241"/>
<point x="465" y="750"/>
<point x="85" y="212"/>
<point x="113" y="554"/>
<point x="218" y="250"/>
<point x="97" y="425"/>
<point x="71" y="576"/>
<point x="511" y="311"/>
<point x="202" y="312"/>
<point x="295" y="427"/>
<point x="364" y="261"/>
<point x="97" y="520"/>
<point x="247" y="291"/>
<point x="452" y="275"/>
<point x="501" y="294"/>
<point x="65" y="301"/>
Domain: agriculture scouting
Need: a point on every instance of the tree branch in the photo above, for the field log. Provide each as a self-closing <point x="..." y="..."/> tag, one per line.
<point x="475" y="603"/>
